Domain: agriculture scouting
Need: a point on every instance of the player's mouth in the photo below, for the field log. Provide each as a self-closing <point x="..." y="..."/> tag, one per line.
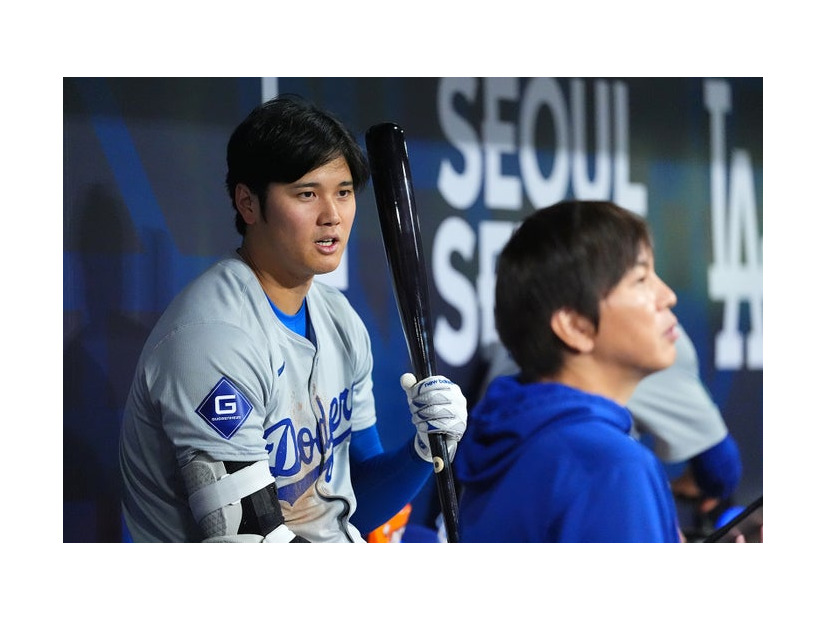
<point x="327" y="245"/>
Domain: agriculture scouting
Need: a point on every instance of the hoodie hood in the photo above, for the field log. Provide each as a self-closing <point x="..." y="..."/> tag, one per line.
<point x="510" y="413"/>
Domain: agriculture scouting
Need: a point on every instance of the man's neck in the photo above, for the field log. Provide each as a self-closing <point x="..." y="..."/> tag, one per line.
<point x="287" y="297"/>
<point x="614" y="383"/>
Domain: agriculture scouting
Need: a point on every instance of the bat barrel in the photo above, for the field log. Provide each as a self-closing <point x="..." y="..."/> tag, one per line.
<point x="399" y="220"/>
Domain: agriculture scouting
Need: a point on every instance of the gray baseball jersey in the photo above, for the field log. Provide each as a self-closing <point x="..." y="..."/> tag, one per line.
<point x="221" y="374"/>
<point x="671" y="405"/>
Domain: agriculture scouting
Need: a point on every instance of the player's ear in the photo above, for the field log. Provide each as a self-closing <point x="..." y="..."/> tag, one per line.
<point x="573" y="329"/>
<point x="247" y="203"/>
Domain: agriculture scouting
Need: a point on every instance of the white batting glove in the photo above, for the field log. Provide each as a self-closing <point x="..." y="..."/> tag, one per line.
<point x="437" y="405"/>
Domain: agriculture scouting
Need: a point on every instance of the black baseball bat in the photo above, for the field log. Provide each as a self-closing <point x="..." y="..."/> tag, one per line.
<point x="396" y="204"/>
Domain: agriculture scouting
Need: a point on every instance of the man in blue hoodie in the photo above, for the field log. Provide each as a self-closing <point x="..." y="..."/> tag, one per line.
<point x="548" y="455"/>
<point x="674" y="413"/>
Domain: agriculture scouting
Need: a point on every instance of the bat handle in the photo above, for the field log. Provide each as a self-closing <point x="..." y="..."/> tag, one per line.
<point x="445" y="485"/>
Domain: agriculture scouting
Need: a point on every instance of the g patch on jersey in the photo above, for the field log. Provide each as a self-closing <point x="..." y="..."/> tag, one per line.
<point x="225" y="408"/>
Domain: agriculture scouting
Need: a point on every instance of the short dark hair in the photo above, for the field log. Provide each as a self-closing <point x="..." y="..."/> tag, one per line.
<point x="283" y="139"/>
<point x="569" y="255"/>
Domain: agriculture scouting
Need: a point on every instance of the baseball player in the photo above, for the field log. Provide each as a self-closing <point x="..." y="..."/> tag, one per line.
<point x="251" y="417"/>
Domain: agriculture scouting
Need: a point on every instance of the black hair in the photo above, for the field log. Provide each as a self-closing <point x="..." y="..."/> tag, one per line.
<point x="569" y="255"/>
<point x="283" y="139"/>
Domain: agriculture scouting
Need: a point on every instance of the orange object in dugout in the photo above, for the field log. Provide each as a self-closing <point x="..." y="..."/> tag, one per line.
<point x="393" y="530"/>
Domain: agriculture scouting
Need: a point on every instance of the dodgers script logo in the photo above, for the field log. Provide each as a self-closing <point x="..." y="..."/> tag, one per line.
<point x="225" y="408"/>
<point x="291" y="448"/>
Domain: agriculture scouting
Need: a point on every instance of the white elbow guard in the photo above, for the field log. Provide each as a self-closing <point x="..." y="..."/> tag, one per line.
<point x="215" y="499"/>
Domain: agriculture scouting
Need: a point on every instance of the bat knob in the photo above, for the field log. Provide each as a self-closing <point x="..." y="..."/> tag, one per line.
<point x="408" y="380"/>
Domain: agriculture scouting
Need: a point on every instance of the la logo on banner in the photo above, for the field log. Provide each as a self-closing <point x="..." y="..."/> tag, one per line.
<point x="735" y="276"/>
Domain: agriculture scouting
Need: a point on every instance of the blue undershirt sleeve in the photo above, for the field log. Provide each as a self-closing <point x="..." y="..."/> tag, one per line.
<point x="383" y="481"/>
<point x="717" y="471"/>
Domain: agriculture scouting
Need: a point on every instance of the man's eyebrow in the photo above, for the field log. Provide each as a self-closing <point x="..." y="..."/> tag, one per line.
<point x="314" y="184"/>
